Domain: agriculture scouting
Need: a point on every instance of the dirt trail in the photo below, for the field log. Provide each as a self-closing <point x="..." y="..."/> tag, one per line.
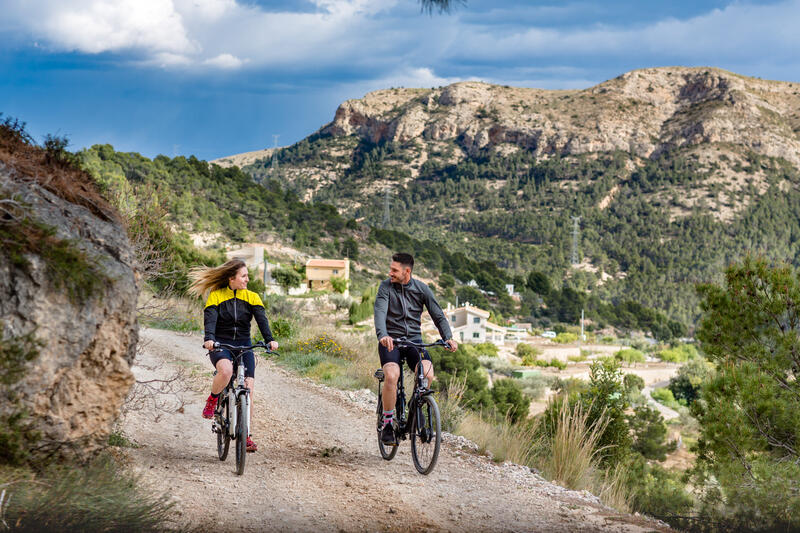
<point x="318" y="467"/>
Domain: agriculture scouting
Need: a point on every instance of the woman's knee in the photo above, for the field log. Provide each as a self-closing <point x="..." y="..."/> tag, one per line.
<point x="225" y="368"/>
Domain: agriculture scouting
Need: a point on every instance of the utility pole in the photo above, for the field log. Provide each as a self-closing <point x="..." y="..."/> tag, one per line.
<point x="576" y="230"/>
<point x="275" y="156"/>
<point x="386" y="212"/>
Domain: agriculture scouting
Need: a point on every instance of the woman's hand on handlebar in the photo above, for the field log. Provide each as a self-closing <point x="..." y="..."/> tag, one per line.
<point x="451" y="345"/>
<point x="208" y="345"/>
<point x="273" y="345"/>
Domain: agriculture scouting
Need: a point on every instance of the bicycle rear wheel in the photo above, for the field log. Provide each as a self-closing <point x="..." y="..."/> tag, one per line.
<point x="223" y="435"/>
<point x="387" y="452"/>
<point x="426" y="435"/>
<point x="242" y="431"/>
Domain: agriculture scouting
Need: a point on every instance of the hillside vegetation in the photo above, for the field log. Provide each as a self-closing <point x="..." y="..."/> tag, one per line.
<point x="674" y="172"/>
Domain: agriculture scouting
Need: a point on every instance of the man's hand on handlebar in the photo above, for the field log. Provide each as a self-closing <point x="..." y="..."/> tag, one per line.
<point x="272" y="345"/>
<point x="208" y="345"/>
<point x="387" y="342"/>
<point x="452" y="345"/>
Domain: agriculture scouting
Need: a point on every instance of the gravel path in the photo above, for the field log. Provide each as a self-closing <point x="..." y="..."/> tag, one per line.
<point x="318" y="467"/>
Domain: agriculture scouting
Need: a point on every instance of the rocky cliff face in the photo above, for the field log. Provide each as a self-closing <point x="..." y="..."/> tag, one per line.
<point x="644" y="112"/>
<point x="66" y="278"/>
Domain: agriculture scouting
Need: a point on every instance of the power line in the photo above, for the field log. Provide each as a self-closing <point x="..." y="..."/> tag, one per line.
<point x="275" y="155"/>
<point x="576" y="230"/>
<point x="386" y="212"/>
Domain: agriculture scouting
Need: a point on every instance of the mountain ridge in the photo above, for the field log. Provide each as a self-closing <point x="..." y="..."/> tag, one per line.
<point x="665" y="167"/>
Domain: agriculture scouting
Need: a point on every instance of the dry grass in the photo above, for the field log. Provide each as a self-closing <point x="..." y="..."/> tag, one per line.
<point x="573" y="459"/>
<point x="504" y="441"/>
<point x="18" y="151"/>
<point x="450" y="403"/>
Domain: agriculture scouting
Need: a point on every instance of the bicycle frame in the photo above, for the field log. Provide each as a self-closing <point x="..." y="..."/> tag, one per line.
<point x="420" y="389"/>
<point x="236" y="387"/>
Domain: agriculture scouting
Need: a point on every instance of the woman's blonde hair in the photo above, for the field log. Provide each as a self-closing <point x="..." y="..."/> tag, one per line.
<point x="207" y="279"/>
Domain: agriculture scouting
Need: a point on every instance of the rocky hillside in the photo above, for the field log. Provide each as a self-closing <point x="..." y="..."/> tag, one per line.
<point x="67" y="305"/>
<point x="664" y="166"/>
<point x="644" y="113"/>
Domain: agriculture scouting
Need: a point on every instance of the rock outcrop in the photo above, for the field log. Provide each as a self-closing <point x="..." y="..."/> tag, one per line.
<point x="82" y="311"/>
<point x="644" y="112"/>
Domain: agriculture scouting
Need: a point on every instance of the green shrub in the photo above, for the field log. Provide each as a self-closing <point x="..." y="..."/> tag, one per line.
<point x="364" y="309"/>
<point x="339" y="284"/>
<point x="256" y="283"/>
<point x="554" y="363"/>
<point x="606" y="398"/>
<point x="649" y="433"/>
<point x="16" y="436"/>
<point x="486" y="349"/>
<point x="630" y="356"/>
<point x="688" y="382"/>
<point x="509" y="400"/>
<point x="633" y="382"/>
<point x="679" y="354"/>
<point x="99" y="497"/>
<point x="524" y="349"/>
<point x="570" y="386"/>
<point x="664" y="396"/>
<point x="324" y="344"/>
<point x="566" y="338"/>
<point x="658" y="492"/>
<point x="583" y="356"/>
<point x="453" y="366"/>
<point x="287" y="278"/>
<point x="283" y="328"/>
<point x="534" y="386"/>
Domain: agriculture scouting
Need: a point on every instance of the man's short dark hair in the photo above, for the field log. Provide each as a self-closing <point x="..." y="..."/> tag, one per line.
<point x="404" y="259"/>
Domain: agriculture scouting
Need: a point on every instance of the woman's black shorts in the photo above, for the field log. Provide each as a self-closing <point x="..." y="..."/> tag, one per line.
<point x="248" y="358"/>
<point x="409" y="353"/>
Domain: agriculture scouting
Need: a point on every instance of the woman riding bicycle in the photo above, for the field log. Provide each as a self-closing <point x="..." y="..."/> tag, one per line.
<point x="228" y="312"/>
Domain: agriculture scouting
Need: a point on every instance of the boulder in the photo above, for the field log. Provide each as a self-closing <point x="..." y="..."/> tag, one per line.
<point x="72" y="391"/>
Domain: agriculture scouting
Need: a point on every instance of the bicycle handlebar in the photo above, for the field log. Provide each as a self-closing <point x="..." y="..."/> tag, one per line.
<point x="218" y="345"/>
<point x="406" y="342"/>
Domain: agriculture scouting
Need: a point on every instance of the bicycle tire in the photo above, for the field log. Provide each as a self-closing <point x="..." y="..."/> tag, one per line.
<point x="387" y="455"/>
<point x="241" y="433"/>
<point x="223" y="435"/>
<point x="426" y="435"/>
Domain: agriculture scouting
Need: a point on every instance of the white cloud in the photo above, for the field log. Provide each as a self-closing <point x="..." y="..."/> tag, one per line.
<point x="224" y="61"/>
<point x="95" y="26"/>
<point x="739" y="30"/>
<point x="371" y="35"/>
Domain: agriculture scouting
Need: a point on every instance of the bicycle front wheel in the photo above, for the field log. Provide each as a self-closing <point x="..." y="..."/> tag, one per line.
<point x="426" y="435"/>
<point x="223" y="435"/>
<point x="242" y="431"/>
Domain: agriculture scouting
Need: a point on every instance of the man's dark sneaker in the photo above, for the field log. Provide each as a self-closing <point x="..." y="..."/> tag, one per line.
<point x="387" y="435"/>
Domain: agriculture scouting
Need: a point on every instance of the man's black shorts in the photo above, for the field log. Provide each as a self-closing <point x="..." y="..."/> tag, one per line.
<point x="410" y="354"/>
<point x="249" y="357"/>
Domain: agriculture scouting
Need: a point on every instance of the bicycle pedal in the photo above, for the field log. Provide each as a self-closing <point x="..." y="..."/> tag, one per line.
<point x="379" y="374"/>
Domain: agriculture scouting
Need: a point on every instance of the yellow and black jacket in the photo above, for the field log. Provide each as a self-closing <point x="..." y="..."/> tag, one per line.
<point x="228" y="314"/>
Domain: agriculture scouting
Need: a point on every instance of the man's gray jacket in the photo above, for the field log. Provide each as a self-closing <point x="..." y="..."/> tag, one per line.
<point x="398" y="309"/>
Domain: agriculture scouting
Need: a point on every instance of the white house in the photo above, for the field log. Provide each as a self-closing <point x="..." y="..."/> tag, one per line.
<point x="468" y="322"/>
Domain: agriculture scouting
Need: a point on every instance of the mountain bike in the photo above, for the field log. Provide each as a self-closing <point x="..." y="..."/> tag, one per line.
<point x="418" y="420"/>
<point x="232" y="416"/>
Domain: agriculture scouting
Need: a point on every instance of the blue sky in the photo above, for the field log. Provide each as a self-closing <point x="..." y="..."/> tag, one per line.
<point x="217" y="77"/>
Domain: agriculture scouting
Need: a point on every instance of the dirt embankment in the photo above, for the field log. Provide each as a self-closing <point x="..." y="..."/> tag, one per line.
<point x="318" y="467"/>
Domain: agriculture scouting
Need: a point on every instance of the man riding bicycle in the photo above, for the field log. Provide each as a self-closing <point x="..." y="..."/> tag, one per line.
<point x="398" y="310"/>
